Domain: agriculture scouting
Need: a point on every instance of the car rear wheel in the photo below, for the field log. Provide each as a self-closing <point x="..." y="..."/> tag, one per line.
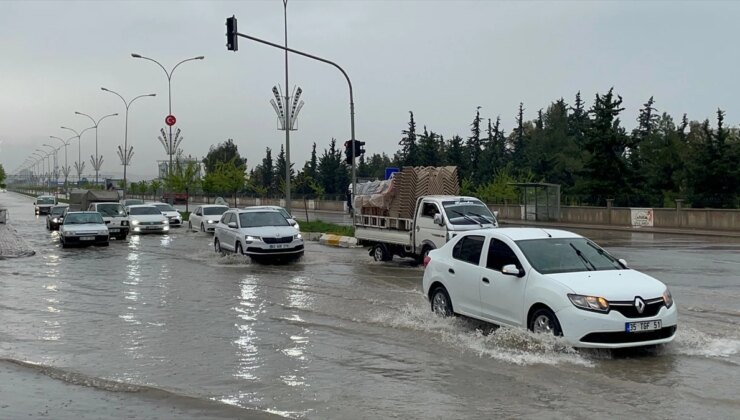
<point x="381" y="253"/>
<point x="440" y="301"/>
<point x="544" y="321"/>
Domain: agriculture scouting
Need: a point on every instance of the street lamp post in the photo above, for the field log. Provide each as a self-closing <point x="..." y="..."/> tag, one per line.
<point x="54" y="172"/>
<point x="79" y="165"/>
<point x="65" y="168"/>
<point x="323" y="60"/>
<point x="97" y="161"/>
<point x="126" y="153"/>
<point x="38" y="158"/>
<point x="169" y="92"/>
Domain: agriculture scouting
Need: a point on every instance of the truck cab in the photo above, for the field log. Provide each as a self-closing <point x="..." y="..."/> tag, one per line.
<point x="440" y="218"/>
<point x="115" y="217"/>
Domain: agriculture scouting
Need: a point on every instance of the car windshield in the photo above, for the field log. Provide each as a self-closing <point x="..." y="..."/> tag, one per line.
<point x="214" y="211"/>
<point x="259" y="219"/>
<point x="468" y="213"/>
<point x="164" y="207"/>
<point x="111" y="210"/>
<point x="45" y="200"/>
<point x="83" y="218"/>
<point x="284" y="213"/>
<point x="58" y="210"/>
<point x="132" y="202"/>
<point x="566" y="255"/>
<point x="144" y="210"/>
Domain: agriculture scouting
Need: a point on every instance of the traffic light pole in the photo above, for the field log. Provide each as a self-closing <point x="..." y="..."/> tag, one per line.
<point x="323" y="60"/>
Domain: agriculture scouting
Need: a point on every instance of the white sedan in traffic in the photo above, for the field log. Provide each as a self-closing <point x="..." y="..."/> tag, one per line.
<point x="144" y="218"/>
<point x="206" y="217"/>
<point x="83" y="228"/>
<point x="173" y="216"/>
<point x="549" y="281"/>
<point x="260" y="234"/>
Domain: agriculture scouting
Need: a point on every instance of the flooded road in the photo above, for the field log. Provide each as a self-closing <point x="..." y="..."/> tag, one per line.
<point x="339" y="336"/>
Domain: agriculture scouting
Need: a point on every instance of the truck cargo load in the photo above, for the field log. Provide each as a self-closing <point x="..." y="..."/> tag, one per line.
<point x="80" y="199"/>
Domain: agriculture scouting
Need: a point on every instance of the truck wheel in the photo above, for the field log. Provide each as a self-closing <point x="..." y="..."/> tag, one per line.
<point x="424" y="252"/>
<point x="381" y="253"/>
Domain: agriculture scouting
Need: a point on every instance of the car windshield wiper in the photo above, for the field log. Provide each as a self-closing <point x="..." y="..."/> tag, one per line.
<point x="585" y="260"/>
<point x="605" y="255"/>
<point x="468" y="218"/>
<point x="482" y="217"/>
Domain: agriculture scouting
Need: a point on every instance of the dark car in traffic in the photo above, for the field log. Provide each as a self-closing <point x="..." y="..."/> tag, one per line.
<point x="55" y="217"/>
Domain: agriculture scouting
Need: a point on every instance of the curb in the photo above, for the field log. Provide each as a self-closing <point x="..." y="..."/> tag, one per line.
<point x="338" y="241"/>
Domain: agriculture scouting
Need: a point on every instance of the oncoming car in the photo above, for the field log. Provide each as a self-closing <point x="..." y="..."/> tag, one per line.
<point x="43" y="204"/>
<point x="206" y="217"/>
<point x="549" y="281"/>
<point x="144" y="218"/>
<point x="83" y="228"/>
<point x="260" y="234"/>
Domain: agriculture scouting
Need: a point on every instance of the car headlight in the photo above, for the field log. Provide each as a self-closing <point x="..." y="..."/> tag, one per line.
<point x="299" y="236"/>
<point x="54" y="220"/>
<point x="103" y="232"/>
<point x="211" y="221"/>
<point x="297" y="226"/>
<point x="166" y="222"/>
<point x="589" y="303"/>
<point x="667" y="298"/>
<point x="250" y="238"/>
<point x="135" y="222"/>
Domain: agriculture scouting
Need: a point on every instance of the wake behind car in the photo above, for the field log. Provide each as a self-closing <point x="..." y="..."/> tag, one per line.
<point x="174" y="216"/>
<point x="206" y="217"/>
<point x="549" y="281"/>
<point x="55" y="217"/>
<point x="114" y="216"/>
<point x="260" y="234"/>
<point x="43" y="204"/>
<point x="144" y="218"/>
<point x="83" y="228"/>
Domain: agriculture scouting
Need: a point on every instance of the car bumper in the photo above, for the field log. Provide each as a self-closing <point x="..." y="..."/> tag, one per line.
<point x="150" y="229"/>
<point x="43" y="210"/>
<point x="175" y="222"/>
<point x="588" y="329"/>
<point x="265" y="251"/>
<point x="78" y="240"/>
<point x="118" y="230"/>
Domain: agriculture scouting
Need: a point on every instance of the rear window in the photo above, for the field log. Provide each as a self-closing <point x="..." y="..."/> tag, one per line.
<point x="468" y="249"/>
<point x="214" y="211"/>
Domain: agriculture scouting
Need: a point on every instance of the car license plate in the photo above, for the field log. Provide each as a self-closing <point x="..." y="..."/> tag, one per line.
<point x="643" y="326"/>
<point x="152" y="227"/>
<point x="87" y="238"/>
<point x="278" y="246"/>
<point x="114" y="230"/>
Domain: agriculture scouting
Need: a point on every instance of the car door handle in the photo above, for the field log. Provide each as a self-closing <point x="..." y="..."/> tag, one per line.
<point x="486" y="281"/>
<point x="451" y="271"/>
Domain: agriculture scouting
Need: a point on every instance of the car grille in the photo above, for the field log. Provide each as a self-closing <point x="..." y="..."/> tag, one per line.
<point x="627" y="308"/>
<point x="626" y="337"/>
<point x="282" y="240"/>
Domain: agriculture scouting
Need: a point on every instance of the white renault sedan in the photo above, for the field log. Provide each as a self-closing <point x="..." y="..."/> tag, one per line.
<point x="206" y="217"/>
<point x="549" y="281"/>
<point x="258" y="233"/>
<point x="83" y="228"/>
<point x="144" y="218"/>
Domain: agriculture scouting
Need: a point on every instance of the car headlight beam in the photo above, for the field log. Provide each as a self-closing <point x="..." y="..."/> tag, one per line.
<point x="135" y="222"/>
<point x="589" y="303"/>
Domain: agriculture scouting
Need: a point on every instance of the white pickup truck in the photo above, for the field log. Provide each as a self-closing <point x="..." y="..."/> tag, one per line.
<point x="437" y="219"/>
<point x="115" y="218"/>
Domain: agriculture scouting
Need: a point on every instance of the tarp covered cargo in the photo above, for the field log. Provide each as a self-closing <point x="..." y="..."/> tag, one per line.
<point x="80" y="199"/>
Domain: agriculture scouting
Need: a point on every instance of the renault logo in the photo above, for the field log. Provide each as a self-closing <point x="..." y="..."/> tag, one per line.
<point x="639" y="305"/>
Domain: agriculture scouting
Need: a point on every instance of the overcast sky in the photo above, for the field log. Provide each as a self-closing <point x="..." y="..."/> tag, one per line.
<point x="440" y="59"/>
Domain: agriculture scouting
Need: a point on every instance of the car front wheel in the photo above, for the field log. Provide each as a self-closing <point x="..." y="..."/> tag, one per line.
<point x="441" y="304"/>
<point x="238" y="249"/>
<point x="544" y="321"/>
<point x="217" y="246"/>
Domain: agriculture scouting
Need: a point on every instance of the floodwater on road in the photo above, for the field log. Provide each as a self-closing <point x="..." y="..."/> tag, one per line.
<point x="337" y="335"/>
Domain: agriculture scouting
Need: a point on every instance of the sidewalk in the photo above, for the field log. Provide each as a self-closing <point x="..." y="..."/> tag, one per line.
<point x="12" y="244"/>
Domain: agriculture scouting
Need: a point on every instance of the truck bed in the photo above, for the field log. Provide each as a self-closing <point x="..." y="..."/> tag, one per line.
<point x="383" y="235"/>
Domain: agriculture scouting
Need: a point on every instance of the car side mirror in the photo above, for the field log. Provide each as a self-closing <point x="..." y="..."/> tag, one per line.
<point x="512" y="270"/>
<point x="232" y="225"/>
<point x="495" y="214"/>
<point x="438" y="219"/>
<point x="623" y="262"/>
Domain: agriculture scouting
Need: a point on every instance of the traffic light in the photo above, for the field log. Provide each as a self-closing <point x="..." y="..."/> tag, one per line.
<point x="359" y="148"/>
<point x="348" y="152"/>
<point x="232" y="41"/>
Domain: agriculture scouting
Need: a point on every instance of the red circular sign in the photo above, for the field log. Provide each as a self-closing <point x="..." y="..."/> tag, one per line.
<point x="170" y="120"/>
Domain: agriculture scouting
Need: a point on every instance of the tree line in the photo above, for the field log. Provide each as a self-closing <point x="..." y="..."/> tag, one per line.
<point x="583" y="148"/>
